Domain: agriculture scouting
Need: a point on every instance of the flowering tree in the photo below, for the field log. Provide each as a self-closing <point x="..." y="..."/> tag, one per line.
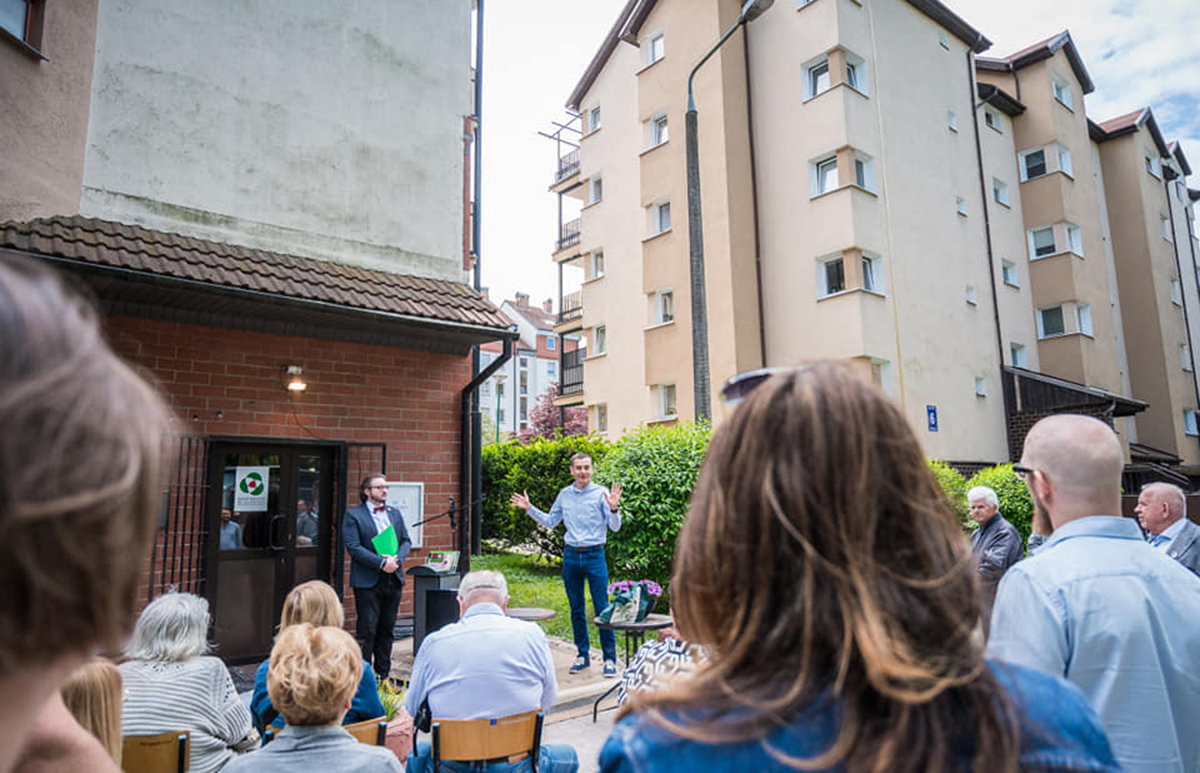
<point x="544" y="418"/>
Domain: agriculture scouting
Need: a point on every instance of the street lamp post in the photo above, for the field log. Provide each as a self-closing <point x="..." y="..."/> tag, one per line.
<point x="751" y="10"/>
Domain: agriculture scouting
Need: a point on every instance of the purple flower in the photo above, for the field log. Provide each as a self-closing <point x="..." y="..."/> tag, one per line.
<point x="649" y="586"/>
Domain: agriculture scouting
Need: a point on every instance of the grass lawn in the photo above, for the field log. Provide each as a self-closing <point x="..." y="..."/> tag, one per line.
<point x="533" y="582"/>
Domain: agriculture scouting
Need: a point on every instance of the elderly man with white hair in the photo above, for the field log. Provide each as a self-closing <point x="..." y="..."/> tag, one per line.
<point x="996" y="545"/>
<point x="486" y="666"/>
<point x="1162" y="511"/>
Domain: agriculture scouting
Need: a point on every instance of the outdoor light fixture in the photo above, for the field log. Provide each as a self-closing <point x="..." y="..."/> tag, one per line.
<point x="296" y="382"/>
<point x="751" y="10"/>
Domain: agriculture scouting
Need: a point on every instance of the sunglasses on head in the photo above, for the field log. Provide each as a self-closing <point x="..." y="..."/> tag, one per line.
<point x="737" y="388"/>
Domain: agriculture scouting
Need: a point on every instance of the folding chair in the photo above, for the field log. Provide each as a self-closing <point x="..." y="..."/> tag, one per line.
<point x="372" y="732"/>
<point x="509" y="739"/>
<point x="162" y="753"/>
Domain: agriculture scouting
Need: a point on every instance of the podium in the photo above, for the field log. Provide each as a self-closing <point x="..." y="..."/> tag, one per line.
<point x="435" y="600"/>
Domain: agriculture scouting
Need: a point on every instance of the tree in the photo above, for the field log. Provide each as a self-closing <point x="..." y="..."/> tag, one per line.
<point x="544" y="418"/>
<point x="488" y="429"/>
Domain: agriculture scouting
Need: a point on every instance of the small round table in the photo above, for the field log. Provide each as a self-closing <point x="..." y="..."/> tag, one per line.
<point x="635" y="637"/>
<point x="531" y="613"/>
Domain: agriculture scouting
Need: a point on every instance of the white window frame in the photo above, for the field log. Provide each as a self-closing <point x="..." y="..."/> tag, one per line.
<point x="1153" y="166"/>
<point x="1022" y="163"/>
<point x="597" y="260"/>
<point x="944" y="39"/>
<point x="1032" y="239"/>
<point x="812" y="79"/>
<point x="856" y="72"/>
<point x="1062" y="90"/>
<point x="952" y="120"/>
<point x="552" y="369"/>
<point x="823" y="288"/>
<point x="601" y="414"/>
<point x="821" y="184"/>
<point x="1000" y="192"/>
<point x="1164" y="223"/>
<point x="659" y="130"/>
<point x="872" y="268"/>
<point x="980" y="386"/>
<point x="664" y="306"/>
<point x="1041" y="322"/>
<point x="1074" y="239"/>
<point x="960" y="205"/>
<point x="1064" y="160"/>
<point x="1185" y="357"/>
<point x="667" y="398"/>
<point x="972" y="296"/>
<point x="551" y="344"/>
<point x="864" y="171"/>
<point x="1018" y="354"/>
<point x="660" y="217"/>
<point x="593" y="118"/>
<point x="1191" y="424"/>
<point x="600" y="339"/>
<point x="1010" y="273"/>
<point x="991" y="119"/>
<point x="1083" y="316"/>
<point x="656" y="47"/>
<point x="1176" y="294"/>
<point x="595" y="189"/>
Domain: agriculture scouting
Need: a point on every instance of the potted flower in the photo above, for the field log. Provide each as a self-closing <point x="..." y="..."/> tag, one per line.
<point x="642" y="593"/>
<point x="400" y="725"/>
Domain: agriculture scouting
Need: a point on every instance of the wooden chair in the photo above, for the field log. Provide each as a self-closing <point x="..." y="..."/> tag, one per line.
<point x="488" y="740"/>
<point x="372" y="732"/>
<point x="162" y="753"/>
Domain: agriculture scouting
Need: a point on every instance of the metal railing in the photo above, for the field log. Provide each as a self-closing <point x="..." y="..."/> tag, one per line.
<point x="571" y="380"/>
<point x="568" y="234"/>
<point x="570" y="307"/>
<point x="567" y="166"/>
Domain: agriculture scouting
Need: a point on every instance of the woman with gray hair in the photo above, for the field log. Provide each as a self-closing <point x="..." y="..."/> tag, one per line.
<point x="173" y="684"/>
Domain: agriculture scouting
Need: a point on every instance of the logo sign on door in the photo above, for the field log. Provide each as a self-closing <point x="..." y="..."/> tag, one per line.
<point x="250" y="489"/>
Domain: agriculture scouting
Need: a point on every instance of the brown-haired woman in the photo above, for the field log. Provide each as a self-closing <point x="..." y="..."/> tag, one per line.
<point x="837" y="601"/>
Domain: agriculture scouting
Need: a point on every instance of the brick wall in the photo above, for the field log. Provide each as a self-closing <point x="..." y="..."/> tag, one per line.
<point x="229" y="382"/>
<point x="1019" y="424"/>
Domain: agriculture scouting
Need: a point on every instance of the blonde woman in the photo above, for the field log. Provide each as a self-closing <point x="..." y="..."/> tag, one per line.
<point x="312" y="678"/>
<point x="314" y="602"/>
<point x="93" y="696"/>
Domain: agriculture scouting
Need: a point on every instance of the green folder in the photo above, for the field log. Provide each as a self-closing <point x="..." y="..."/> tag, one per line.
<point x="385" y="541"/>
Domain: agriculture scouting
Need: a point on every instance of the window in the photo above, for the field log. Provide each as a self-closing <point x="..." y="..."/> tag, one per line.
<point x="666" y="400"/>
<point x="597" y="264"/>
<point x="602" y="417"/>
<point x="596" y="190"/>
<point x="1179" y="188"/>
<point x="551" y="368"/>
<point x="550" y="343"/>
<point x="992" y="119"/>
<point x="971" y="296"/>
<point x="1050" y="322"/>
<point x="1189" y="421"/>
<point x="952" y="120"/>
<point x="1062" y="89"/>
<point x="1152" y="165"/>
<point x="524" y="390"/>
<point x="1176" y="298"/>
<point x="943" y="39"/>
<point x="487" y="389"/>
<point x="654" y="48"/>
<point x="826" y="176"/>
<point x="500" y="416"/>
<point x="600" y="339"/>
<point x="980" y="386"/>
<point x="664" y="307"/>
<point x="831" y="277"/>
<point x="660" y="215"/>
<point x="1064" y="161"/>
<point x="524" y="363"/>
<point x="864" y="171"/>
<point x="1041" y="242"/>
<point x="658" y="131"/>
<point x="1084" y="314"/>
<point x="1008" y="270"/>
<point x="960" y="205"/>
<point x="1164" y="223"/>
<point x="1020" y="358"/>
<point x="853" y="77"/>
<point x="870" y="272"/>
<point x="1000" y="191"/>
<point x="524" y="412"/>
<point x="1185" y="357"/>
<point x="23" y="20"/>
<point x="1075" y="239"/>
<point x="1033" y="164"/>
<point x="593" y="121"/>
<point x="818" y="78"/>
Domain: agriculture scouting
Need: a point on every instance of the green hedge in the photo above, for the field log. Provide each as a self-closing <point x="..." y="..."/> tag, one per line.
<point x="1015" y="504"/>
<point x="657" y="467"/>
<point x="954" y="486"/>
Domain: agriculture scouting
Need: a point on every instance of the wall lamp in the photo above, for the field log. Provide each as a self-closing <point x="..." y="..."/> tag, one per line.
<point x="295" y="378"/>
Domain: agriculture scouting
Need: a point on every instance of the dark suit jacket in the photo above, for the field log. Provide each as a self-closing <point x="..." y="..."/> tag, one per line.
<point x="1185" y="548"/>
<point x="358" y="529"/>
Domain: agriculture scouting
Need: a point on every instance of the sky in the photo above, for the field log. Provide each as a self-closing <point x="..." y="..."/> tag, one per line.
<point x="1138" y="52"/>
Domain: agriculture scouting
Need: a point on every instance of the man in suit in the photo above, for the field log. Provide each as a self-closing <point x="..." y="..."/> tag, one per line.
<point x="1162" y="510"/>
<point x="376" y="579"/>
<point x="996" y="545"/>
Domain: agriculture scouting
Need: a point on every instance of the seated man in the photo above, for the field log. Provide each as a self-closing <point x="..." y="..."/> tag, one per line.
<point x="312" y="677"/>
<point x="486" y="666"/>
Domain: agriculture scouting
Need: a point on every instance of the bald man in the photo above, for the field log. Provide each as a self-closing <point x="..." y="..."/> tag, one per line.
<point x="1100" y="607"/>
<point x="1162" y="510"/>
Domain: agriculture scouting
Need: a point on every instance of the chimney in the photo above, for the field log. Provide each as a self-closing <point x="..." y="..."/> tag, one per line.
<point x="523" y="300"/>
<point x="548" y="305"/>
<point x="484" y="291"/>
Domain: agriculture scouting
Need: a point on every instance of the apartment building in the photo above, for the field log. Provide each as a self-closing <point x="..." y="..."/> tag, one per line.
<point x="874" y="191"/>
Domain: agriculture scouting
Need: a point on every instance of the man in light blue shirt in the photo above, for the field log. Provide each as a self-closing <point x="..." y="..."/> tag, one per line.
<point x="486" y="666"/>
<point x="589" y="511"/>
<point x="1162" y="510"/>
<point x="1100" y="607"/>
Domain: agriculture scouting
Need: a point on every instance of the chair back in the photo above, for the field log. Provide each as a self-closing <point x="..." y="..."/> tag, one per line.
<point x="162" y="753"/>
<point x="466" y="740"/>
<point x="372" y="732"/>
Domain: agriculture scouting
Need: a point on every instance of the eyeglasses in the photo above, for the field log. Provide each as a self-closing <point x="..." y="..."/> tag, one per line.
<point x="379" y="485"/>
<point x="1024" y="472"/>
<point x="737" y="388"/>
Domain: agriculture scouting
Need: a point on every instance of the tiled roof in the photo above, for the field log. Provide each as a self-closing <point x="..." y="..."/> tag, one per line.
<point x="537" y="316"/>
<point x="1123" y="121"/>
<point x="1043" y="49"/>
<point x="106" y="243"/>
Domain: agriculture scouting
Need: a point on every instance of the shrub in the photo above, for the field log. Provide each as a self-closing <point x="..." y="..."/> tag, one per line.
<point x="955" y="488"/>
<point x="657" y="468"/>
<point x="1015" y="504"/>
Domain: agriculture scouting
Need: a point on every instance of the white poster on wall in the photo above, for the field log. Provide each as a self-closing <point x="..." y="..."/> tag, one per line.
<point x="250" y="489"/>
<point x="409" y="499"/>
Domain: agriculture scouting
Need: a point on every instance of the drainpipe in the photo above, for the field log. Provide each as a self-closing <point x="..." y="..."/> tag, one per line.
<point x="987" y="232"/>
<point x="471" y="460"/>
<point x="762" y="323"/>
<point x="475" y="431"/>
<point x="1187" y="328"/>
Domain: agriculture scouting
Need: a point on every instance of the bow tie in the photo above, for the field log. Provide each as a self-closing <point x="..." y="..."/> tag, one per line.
<point x="379" y="509"/>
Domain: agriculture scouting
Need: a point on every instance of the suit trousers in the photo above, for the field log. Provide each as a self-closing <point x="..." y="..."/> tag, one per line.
<point x="377" y="608"/>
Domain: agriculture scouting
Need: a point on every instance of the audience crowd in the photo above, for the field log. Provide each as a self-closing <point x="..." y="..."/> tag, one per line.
<point x="875" y="637"/>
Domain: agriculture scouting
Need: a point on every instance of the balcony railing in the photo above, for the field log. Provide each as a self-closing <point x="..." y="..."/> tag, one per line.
<point x="570" y="308"/>
<point x="568" y="234"/>
<point x="571" y="382"/>
<point x="567" y="166"/>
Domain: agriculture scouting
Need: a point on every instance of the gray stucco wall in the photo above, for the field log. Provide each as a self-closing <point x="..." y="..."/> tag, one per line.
<point x="303" y="126"/>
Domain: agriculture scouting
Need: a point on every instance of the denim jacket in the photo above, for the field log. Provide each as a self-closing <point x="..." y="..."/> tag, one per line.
<point x="1058" y="733"/>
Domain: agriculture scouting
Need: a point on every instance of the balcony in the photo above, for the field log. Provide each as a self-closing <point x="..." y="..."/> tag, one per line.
<point x="570" y="383"/>
<point x="568" y="235"/>
<point x="567" y="166"/>
<point x="570" y="307"/>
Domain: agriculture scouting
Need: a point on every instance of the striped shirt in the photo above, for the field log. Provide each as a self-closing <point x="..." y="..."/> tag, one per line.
<point x="196" y="695"/>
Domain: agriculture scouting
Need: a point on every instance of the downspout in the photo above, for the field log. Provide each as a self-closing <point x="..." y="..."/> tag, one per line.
<point x="471" y="460"/>
<point x="1187" y="328"/>
<point x="758" y="272"/>
<point x="987" y="231"/>
<point x="476" y="420"/>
